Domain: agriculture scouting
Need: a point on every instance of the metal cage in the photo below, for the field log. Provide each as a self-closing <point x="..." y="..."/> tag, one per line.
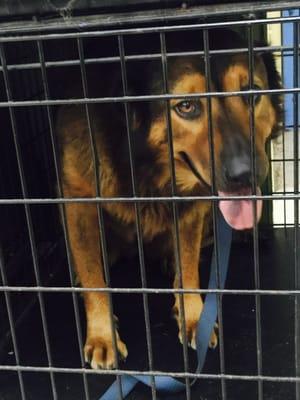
<point x="258" y="356"/>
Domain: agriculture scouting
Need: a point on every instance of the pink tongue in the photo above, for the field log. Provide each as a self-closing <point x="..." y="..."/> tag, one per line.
<point x="239" y="213"/>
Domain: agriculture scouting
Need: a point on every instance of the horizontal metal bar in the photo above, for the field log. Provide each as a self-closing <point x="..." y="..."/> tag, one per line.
<point x="128" y="99"/>
<point x="115" y="372"/>
<point x="275" y="160"/>
<point x="155" y="16"/>
<point x="139" y="57"/>
<point x="139" y="31"/>
<point x="62" y="200"/>
<point x="48" y="289"/>
<point x="283" y="225"/>
<point x="284" y="192"/>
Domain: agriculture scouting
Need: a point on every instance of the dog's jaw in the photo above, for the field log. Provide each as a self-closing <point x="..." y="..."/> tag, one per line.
<point x="188" y="162"/>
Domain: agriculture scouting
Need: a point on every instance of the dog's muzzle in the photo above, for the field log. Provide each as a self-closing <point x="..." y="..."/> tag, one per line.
<point x="238" y="181"/>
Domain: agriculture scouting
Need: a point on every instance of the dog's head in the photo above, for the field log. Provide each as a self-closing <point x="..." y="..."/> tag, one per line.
<point x="229" y="127"/>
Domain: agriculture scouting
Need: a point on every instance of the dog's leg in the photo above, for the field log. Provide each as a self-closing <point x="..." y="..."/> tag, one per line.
<point x="84" y="239"/>
<point x="190" y="242"/>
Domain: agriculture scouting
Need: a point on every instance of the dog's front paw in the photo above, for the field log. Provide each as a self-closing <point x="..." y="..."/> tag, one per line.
<point x="193" y="307"/>
<point x="99" y="352"/>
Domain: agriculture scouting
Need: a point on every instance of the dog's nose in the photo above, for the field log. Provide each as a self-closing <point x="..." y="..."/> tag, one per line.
<point x="238" y="170"/>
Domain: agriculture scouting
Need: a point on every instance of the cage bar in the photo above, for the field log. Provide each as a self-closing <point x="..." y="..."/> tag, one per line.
<point x="245" y="93"/>
<point x="215" y="377"/>
<point x="156" y="16"/>
<point x="176" y="236"/>
<point x="254" y="206"/>
<point x="137" y="212"/>
<point x="296" y="202"/>
<point x="140" y="31"/>
<point x="154" y="56"/>
<point x="141" y="199"/>
<point x="12" y="326"/>
<point x="214" y="205"/>
<point x="103" y="243"/>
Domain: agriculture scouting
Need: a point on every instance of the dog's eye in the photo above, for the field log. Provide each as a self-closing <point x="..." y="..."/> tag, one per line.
<point x="188" y="109"/>
<point x="256" y="97"/>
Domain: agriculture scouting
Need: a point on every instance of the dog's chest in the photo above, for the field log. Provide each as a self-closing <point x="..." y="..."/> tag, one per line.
<point x="122" y="220"/>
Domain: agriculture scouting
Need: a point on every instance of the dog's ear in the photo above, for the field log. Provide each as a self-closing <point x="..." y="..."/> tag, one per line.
<point x="144" y="78"/>
<point x="274" y="81"/>
<point x="134" y="87"/>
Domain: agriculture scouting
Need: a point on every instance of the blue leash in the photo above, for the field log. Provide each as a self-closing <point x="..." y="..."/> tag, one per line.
<point x="205" y="325"/>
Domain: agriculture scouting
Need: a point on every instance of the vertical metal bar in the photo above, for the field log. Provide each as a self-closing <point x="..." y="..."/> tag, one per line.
<point x="103" y="245"/>
<point x="12" y="325"/>
<point x="137" y="216"/>
<point x="296" y="202"/>
<point x="62" y="209"/>
<point x="28" y="219"/>
<point x="214" y="207"/>
<point x="176" y="238"/>
<point x="282" y="54"/>
<point x="255" y="227"/>
<point x="283" y="149"/>
<point x="283" y="135"/>
<point x="210" y="127"/>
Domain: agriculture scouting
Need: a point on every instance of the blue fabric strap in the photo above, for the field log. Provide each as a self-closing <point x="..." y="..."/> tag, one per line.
<point x="205" y="325"/>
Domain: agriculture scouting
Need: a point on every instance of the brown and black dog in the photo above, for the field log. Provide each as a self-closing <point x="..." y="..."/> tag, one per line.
<point x="148" y="125"/>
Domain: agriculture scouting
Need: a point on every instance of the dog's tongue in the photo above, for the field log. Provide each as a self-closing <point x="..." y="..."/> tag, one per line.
<point x="239" y="213"/>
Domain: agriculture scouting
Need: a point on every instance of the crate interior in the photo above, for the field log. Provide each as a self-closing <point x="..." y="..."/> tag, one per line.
<point x="33" y="253"/>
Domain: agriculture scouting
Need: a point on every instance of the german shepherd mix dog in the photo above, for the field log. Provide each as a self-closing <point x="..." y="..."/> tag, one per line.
<point x="190" y="133"/>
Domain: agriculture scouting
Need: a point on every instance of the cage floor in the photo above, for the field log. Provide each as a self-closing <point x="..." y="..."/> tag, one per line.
<point x="240" y="341"/>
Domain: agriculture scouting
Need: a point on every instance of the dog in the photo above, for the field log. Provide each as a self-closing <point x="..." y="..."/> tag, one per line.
<point x="148" y="124"/>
